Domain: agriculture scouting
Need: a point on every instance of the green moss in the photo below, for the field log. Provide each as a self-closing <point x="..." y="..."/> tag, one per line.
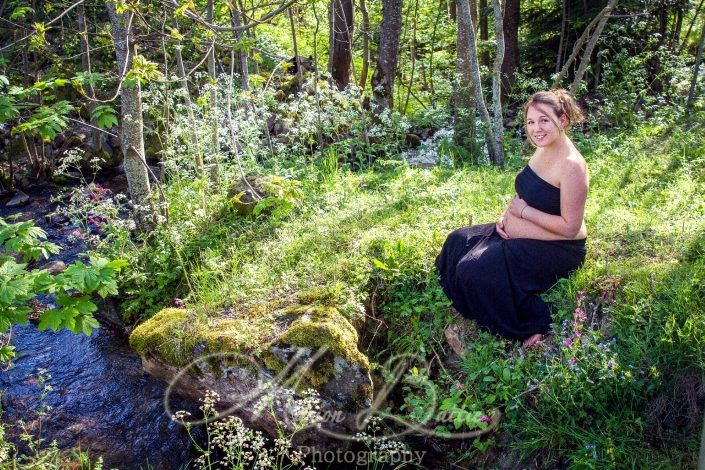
<point x="316" y="327"/>
<point x="167" y="335"/>
<point x="176" y="335"/>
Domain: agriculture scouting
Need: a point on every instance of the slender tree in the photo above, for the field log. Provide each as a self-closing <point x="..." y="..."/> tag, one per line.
<point x="587" y="55"/>
<point x="365" y="43"/>
<point x="495" y="144"/>
<point x="698" y="59"/>
<point x="132" y="137"/>
<point x="388" y="54"/>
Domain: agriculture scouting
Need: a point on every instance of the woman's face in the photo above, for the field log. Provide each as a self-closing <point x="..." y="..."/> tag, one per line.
<point x="541" y="125"/>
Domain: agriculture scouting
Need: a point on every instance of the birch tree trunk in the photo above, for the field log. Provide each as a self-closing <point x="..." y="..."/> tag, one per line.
<point x="579" y="44"/>
<point x="132" y="138"/>
<point x="587" y="55"/>
<point x="183" y="81"/>
<point x="559" y="56"/>
<point x="388" y="55"/>
<point x="213" y="92"/>
<point x="497" y="118"/>
<point x="465" y="23"/>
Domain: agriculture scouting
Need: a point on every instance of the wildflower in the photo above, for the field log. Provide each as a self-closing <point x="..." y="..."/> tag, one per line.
<point x="178" y="303"/>
<point x="76" y="233"/>
<point x="567" y="342"/>
<point x="458" y="385"/>
<point x="572" y="361"/>
<point x="485" y="419"/>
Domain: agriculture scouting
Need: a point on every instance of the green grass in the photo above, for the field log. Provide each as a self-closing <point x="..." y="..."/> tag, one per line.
<point x="365" y="243"/>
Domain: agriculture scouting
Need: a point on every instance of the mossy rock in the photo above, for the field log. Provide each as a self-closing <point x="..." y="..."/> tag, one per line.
<point x="245" y="193"/>
<point x="310" y="346"/>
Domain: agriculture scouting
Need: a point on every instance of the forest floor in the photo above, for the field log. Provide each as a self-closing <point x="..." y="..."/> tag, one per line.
<point x="623" y="386"/>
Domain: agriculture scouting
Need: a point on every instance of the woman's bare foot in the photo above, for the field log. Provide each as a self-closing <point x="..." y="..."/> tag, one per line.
<point x="453" y="337"/>
<point x="533" y="339"/>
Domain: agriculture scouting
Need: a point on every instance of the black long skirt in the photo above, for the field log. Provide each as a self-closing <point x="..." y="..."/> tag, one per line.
<point x="496" y="282"/>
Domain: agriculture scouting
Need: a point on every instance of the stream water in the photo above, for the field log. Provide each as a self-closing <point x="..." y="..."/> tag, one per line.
<point x="101" y="400"/>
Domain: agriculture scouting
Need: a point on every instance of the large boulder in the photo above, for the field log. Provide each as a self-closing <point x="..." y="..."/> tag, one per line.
<point x="273" y="352"/>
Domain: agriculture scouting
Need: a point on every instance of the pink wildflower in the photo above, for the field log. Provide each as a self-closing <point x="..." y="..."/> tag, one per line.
<point x="178" y="303"/>
<point x="572" y="361"/>
<point x="485" y="419"/>
<point x="568" y="342"/>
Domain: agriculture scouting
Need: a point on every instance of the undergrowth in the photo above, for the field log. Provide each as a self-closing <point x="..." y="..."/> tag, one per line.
<point x="619" y="382"/>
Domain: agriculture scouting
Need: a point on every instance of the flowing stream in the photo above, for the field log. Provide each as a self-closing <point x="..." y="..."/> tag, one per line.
<point x="101" y="400"/>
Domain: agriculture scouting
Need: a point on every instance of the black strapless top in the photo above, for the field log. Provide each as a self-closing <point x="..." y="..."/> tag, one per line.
<point x="537" y="192"/>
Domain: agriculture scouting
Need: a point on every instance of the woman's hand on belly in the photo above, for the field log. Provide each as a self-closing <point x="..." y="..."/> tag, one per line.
<point x="516" y="227"/>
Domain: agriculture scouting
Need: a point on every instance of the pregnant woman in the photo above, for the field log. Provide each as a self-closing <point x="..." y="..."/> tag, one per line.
<point x="493" y="273"/>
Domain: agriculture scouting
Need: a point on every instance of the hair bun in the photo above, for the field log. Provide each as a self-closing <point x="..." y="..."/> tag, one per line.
<point x="568" y="105"/>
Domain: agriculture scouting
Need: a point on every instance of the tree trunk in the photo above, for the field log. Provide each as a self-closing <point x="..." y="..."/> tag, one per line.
<point x="452" y="8"/>
<point x="579" y="43"/>
<point x="690" y="27"/>
<point x="484" y="33"/>
<point x="242" y="55"/>
<point x="297" y="58"/>
<point x="698" y="59"/>
<point x="132" y="138"/>
<point x="388" y="54"/>
<point x="464" y="115"/>
<point x="183" y="81"/>
<point x="465" y="23"/>
<point x="587" y="55"/>
<point x="497" y="118"/>
<point x="559" y="56"/>
<point x="678" y="25"/>
<point x="510" y="65"/>
<point x="341" y="34"/>
<point x="412" y="54"/>
<point x="365" y="44"/>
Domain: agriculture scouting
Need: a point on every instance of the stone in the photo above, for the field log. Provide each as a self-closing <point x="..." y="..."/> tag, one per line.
<point x="245" y="193"/>
<point x="54" y="267"/>
<point x="54" y="219"/>
<point x="290" y="349"/>
<point x="413" y="140"/>
<point x="18" y="200"/>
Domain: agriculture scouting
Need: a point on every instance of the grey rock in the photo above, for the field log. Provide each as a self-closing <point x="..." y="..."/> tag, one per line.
<point x="18" y="200"/>
<point x="54" y="267"/>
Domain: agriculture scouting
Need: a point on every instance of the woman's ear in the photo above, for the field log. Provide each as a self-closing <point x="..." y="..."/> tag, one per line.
<point x="564" y="121"/>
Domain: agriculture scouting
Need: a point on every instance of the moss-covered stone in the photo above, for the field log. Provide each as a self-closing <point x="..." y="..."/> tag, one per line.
<point x="168" y="335"/>
<point x="317" y="327"/>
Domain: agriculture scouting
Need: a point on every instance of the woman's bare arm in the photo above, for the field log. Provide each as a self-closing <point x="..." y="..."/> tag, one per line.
<point x="522" y="228"/>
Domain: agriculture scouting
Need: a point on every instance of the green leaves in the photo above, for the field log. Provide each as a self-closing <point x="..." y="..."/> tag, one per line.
<point x="105" y="116"/>
<point x="71" y="289"/>
<point x="142" y="70"/>
<point x="47" y="121"/>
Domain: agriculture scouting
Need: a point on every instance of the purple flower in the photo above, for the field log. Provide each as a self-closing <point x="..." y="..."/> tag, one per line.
<point x="567" y="342"/>
<point x="178" y="303"/>
<point x="485" y="419"/>
<point x="572" y="361"/>
<point x="458" y="385"/>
